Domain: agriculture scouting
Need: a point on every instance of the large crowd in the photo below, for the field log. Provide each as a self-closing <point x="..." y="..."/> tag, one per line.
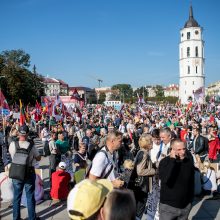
<point x="115" y="164"/>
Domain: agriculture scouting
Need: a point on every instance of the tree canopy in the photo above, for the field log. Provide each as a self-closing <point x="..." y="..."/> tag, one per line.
<point x="16" y="80"/>
<point x="125" y="92"/>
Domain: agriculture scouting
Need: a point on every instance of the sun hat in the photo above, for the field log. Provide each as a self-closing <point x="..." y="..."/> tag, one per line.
<point x="87" y="197"/>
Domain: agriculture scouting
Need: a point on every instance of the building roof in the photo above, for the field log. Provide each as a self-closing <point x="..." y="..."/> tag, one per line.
<point x="62" y="82"/>
<point x="80" y="88"/>
<point x="172" y="87"/>
<point x="191" y="22"/>
<point x="50" y="80"/>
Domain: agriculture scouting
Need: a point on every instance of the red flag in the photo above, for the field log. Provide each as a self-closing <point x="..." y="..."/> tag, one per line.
<point x="3" y="101"/>
<point x="37" y="114"/>
<point x="75" y="95"/>
<point x="189" y="106"/>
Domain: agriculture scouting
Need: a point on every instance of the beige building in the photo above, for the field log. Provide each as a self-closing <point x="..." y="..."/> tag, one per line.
<point x="55" y="86"/>
<point x="213" y="89"/>
<point x="151" y="91"/>
<point x="108" y="92"/>
<point x="171" y="90"/>
<point x="88" y="94"/>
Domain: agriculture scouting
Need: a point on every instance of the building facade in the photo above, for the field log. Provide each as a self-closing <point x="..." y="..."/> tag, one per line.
<point x="171" y="90"/>
<point x="55" y="86"/>
<point x="52" y="86"/>
<point x="191" y="59"/>
<point x="213" y="89"/>
<point x="87" y="94"/>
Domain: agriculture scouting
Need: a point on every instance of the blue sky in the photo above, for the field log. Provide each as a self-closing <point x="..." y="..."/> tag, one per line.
<point x="119" y="41"/>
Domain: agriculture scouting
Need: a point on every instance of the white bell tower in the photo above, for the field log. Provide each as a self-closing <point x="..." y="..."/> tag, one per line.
<point x="191" y="59"/>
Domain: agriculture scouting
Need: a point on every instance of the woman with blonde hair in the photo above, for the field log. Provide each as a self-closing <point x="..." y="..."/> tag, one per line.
<point x="141" y="178"/>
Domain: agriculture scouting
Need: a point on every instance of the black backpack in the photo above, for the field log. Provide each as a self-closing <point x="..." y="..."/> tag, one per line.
<point x="19" y="166"/>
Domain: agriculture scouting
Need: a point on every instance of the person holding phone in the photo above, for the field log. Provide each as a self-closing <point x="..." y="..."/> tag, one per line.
<point x="176" y="172"/>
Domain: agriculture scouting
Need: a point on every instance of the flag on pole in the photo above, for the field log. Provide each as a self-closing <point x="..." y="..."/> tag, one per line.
<point x="37" y="115"/>
<point x="199" y="95"/>
<point x="22" y="114"/>
<point x="3" y="104"/>
<point x="75" y="95"/>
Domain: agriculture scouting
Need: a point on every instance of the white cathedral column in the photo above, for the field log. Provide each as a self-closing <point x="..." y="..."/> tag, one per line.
<point x="191" y="59"/>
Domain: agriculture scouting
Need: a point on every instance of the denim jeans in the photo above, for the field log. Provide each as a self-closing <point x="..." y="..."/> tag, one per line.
<point x="29" y="185"/>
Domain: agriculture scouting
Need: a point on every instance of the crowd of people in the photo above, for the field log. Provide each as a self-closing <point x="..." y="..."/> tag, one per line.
<point x="109" y="164"/>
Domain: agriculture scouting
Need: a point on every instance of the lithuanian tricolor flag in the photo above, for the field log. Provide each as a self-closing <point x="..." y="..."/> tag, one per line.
<point x="22" y="114"/>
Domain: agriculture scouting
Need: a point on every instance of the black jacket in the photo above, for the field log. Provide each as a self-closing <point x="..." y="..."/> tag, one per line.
<point x="177" y="181"/>
<point x="201" y="145"/>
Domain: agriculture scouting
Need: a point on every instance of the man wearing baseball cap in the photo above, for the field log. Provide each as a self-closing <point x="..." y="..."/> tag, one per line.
<point x="87" y="198"/>
<point x="60" y="183"/>
<point x="29" y="182"/>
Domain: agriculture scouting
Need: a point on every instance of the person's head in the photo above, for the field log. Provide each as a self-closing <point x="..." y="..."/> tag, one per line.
<point x="53" y="135"/>
<point x="89" y="133"/>
<point x="114" y="140"/>
<point x="60" y="136"/>
<point x="146" y="129"/>
<point x="23" y="132"/>
<point x="62" y="166"/>
<point x="103" y="132"/>
<point x="82" y="147"/>
<point x="179" y="148"/>
<point x="120" y="205"/>
<point x="195" y="131"/>
<point x="145" y="142"/>
<point x="156" y="136"/>
<point x="165" y="135"/>
<point x="87" y="198"/>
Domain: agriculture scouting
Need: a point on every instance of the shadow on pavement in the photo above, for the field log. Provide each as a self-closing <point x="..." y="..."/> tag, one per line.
<point x="52" y="210"/>
<point x="208" y="209"/>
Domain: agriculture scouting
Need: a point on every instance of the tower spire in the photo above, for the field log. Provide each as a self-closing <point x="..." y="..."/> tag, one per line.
<point x="190" y="12"/>
<point x="191" y="22"/>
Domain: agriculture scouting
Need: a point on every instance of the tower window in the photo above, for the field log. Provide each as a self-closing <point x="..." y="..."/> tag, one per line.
<point x="188" y="51"/>
<point x="193" y="82"/>
<point x="188" y="35"/>
<point x="188" y="69"/>
<point x="196" y="69"/>
<point x="197" y="53"/>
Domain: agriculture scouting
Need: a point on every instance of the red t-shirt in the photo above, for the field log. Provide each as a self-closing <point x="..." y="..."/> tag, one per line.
<point x="182" y="135"/>
<point x="60" y="184"/>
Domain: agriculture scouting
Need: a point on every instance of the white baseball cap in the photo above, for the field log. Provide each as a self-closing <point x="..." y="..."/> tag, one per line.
<point x="62" y="165"/>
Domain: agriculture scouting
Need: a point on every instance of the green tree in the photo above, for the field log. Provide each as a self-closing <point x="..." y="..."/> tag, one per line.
<point x="19" y="82"/>
<point x="159" y="91"/>
<point x="125" y="92"/>
<point x="102" y="97"/>
<point x="141" y="91"/>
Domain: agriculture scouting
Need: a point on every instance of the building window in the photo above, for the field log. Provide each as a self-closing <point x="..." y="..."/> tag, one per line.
<point x="188" y="69"/>
<point x="197" y="53"/>
<point x="185" y="91"/>
<point x="193" y="82"/>
<point x="181" y="56"/>
<point x="188" y="35"/>
<point x="188" y="51"/>
<point x="196" y="69"/>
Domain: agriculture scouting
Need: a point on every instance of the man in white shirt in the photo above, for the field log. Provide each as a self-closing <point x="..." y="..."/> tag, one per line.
<point x="104" y="164"/>
<point x="165" y="137"/>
